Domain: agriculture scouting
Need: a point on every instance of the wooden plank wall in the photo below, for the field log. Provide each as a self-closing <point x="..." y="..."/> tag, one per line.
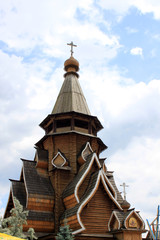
<point x="132" y="235"/>
<point x="96" y="214"/>
<point x="39" y="226"/>
<point x="41" y="204"/>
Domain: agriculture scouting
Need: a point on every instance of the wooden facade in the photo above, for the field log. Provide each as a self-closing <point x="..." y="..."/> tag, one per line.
<point x="68" y="180"/>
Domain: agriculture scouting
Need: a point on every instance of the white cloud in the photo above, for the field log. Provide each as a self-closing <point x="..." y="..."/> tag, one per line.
<point x="126" y="108"/>
<point x="149" y="6"/>
<point x="122" y="7"/>
<point x="52" y="26"/>
<point x="137" y="51"/>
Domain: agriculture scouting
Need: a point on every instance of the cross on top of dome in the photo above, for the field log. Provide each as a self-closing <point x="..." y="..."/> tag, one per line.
<point x="72" y="45"/>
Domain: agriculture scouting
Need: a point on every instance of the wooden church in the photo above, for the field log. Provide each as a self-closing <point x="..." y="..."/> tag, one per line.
<point x="68" y="180"/>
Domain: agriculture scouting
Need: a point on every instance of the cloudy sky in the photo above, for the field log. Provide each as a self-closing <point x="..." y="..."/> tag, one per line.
<point x="119" y="54"/>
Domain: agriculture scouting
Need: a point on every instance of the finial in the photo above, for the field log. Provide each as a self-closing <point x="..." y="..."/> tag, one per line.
<point x="124" y="189"/>
<point x="72" y="45"/>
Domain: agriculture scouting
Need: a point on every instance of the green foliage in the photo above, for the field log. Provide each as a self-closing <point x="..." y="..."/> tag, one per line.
<point x="13" y="225"/>
<point x="65" y="233"/>
<point x="31" y="234"/>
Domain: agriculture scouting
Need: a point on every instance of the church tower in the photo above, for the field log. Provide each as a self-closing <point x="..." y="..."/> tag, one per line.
<point x="67" y="179"/>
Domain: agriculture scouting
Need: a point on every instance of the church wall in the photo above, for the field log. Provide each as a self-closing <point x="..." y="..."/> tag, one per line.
<point x="70" y="201"/>
<point x="48" y="145"/>
<point x="128" y="235"/>
<point x="39" y="226"/>
<point x="81" y="140"/>
<point x="95" y="145"/>
<point x="72" y="153"/>
<point x="132" y="236"/>
<point x="36" y="203"/>
<point x="97" y="212"/>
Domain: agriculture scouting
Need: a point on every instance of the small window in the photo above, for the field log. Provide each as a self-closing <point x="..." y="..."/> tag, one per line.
<point x="63" y="123"/>
<point x="81" y="124"/>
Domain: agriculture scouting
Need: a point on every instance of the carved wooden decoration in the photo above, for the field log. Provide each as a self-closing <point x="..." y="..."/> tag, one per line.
<point x="86" y="151"/>
<point x="59" y="160"/>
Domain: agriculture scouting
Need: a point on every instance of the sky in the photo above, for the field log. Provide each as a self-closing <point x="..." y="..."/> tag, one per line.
<point x="118" y="48"/>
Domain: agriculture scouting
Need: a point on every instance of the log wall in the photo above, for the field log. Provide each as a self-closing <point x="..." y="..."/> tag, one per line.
<point x="39" y="226"/>
<point x="35" y="203"/>
<point x="97" y="212"/>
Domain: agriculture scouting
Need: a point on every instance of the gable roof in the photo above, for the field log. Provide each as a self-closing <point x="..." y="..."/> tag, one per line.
<point x="33" y="184"/>
<point x="36" y="184"/>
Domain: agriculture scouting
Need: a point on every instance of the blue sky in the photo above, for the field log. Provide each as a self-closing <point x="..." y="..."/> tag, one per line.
<point x="118" y="50"/>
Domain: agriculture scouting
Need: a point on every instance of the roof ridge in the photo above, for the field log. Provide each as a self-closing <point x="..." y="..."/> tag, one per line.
<point x="26" y="160"/>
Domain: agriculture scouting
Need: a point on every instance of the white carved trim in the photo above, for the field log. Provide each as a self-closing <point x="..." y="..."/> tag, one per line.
<point x="110" y="185"/>
<point x="133" y="211"/>
<point x="25" y="186"/>
<point x="94" y="157"/>
<point x="58" y="153"/>
<point x="83" y="204"/>
<point x="87" y="146"/>
<point x="108" y="191"/>
<point x="109" y="222"/>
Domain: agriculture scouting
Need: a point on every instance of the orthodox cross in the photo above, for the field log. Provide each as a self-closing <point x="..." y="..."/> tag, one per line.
<point x="72" y="45"/>
<point x="124" y="189"/>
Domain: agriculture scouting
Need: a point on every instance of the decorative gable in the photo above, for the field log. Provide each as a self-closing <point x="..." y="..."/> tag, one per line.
<point x="85" y="152"/>
<point x="100" y="204"/>
<point x="59" y="160"/>
<point x="99" y="187"/>
<point x="134" y="221"/>
<point x="114" y="222"/>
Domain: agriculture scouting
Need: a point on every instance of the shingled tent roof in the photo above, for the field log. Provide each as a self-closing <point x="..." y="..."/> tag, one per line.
<point x="71" y="97"/>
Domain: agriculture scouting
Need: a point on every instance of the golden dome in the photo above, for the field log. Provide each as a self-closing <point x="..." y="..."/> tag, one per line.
<point x="71" y="65"/>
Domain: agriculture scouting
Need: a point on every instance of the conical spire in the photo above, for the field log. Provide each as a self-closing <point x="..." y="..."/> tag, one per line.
<point x="71" y="97"/>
